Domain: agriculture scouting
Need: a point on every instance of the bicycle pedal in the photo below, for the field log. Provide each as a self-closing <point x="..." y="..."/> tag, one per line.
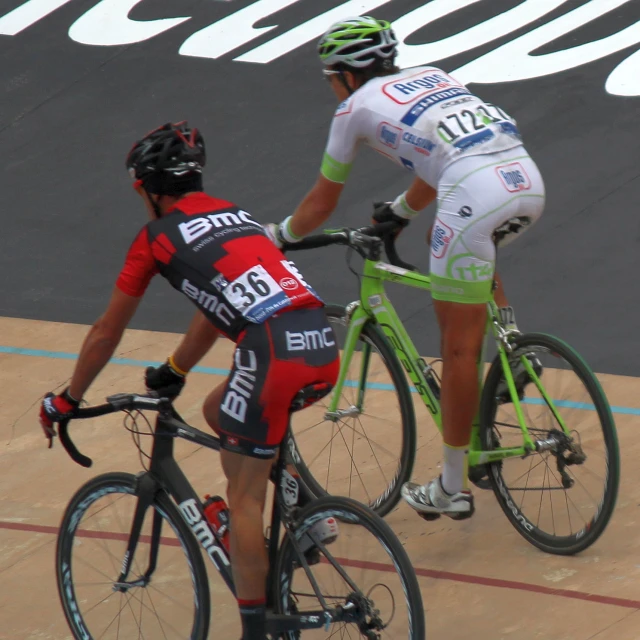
<point x="463" y="516"/>
<point x="479" y="477"/>
<point x="428" y="516"/>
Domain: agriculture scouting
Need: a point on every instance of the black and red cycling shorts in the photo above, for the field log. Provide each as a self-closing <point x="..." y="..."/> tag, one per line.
<point x="272" y="362"/>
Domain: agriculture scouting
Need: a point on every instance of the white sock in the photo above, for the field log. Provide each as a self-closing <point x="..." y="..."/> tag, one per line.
<point x="454" y="469"/>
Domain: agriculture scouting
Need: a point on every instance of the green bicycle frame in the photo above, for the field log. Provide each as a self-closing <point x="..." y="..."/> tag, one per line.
<point x="374" y="305"/>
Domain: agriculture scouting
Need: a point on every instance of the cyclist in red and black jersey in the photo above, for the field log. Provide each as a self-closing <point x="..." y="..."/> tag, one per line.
<point x="243" y="286"/>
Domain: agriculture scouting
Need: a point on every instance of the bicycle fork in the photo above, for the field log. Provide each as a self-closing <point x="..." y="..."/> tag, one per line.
<point x="146" y="490"/>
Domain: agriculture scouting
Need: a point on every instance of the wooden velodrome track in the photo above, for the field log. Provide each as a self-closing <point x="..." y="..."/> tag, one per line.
<point x="479" y="578"/>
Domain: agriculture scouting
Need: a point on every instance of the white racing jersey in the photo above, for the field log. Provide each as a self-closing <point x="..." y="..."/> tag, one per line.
<point x="421" y="118"/>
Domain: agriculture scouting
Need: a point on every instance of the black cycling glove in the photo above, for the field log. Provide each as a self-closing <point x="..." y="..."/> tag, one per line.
<point x="165" y="380"/>
<point x="382" y="213"/>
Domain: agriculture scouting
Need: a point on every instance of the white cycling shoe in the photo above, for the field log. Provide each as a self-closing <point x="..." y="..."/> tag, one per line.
<point x="431" y="500"/>
<point x="325" y="531"/>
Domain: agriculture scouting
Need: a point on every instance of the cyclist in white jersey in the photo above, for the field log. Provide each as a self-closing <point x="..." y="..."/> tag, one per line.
<point x="463" y="151"/>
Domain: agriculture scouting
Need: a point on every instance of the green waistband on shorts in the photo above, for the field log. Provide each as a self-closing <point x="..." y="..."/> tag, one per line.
<point x="452" y="290"/>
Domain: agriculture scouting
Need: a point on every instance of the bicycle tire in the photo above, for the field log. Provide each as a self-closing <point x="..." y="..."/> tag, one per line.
<point x="388" y="498"/>
<point x="585" y="537"/>
<point x="124" y="483"/>
<point x="351" y="512"/>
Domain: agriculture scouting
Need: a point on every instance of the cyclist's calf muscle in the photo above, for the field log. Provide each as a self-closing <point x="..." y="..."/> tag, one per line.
<point x="247" y="488"/>
<point x="462" y="329"/>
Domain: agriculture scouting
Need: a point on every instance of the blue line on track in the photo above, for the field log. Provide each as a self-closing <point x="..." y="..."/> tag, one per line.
<point x="131" y="362"/>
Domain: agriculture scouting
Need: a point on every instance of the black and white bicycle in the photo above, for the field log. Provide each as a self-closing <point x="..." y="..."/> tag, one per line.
<point x="129" y="565"/>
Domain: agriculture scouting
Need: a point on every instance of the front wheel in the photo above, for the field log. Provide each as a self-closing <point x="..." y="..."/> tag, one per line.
<point x="169" y="601"/>
<point x="365" y="568"/>
<point x="365" y="449"/>
<point x="561" y="496"/>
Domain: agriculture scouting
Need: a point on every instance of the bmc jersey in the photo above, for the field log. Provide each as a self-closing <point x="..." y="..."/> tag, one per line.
<point x="421" y="118"/>
<point x="221" y="259"/>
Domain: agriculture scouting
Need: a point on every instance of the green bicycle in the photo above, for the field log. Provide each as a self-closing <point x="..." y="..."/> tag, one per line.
<point x="545" y="441"/>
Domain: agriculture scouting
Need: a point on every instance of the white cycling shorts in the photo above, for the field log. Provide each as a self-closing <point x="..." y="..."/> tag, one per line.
<point x="483" y="201"/>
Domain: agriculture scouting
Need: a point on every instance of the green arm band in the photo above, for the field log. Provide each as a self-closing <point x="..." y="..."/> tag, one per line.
<point x="333" y="170"/>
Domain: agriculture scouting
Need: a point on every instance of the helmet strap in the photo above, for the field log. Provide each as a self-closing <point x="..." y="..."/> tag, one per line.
<point x="154" y="205"/>
<point x="345" y="84"/>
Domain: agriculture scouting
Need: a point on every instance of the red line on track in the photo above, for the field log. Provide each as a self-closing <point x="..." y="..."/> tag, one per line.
<point x="379" y="566"/>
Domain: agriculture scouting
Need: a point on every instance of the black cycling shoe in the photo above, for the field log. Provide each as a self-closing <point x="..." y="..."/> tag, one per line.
<point x="520" y="378"/>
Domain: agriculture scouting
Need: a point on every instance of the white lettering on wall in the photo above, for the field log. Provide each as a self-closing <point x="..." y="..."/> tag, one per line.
<point x="233" y="31"/>
<point x="308" y="31"/>
<point x="418" y="54"/>
<point x="513" y="60"/>
<point x="108" y="24"/>
<point x="625" y="78"/>
<point x="27" y="14"/>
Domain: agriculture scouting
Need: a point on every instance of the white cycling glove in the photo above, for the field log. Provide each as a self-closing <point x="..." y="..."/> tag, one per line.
<point x="281" y="233"/>
<point x="400" y="207"/>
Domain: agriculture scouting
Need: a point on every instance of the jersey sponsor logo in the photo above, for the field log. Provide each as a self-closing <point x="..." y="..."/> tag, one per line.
<point x="290" y="266"/>
<point x="344" y="107"/>
<point x="197" y="227"/>
<point x="208" y="301"/>
<point x="455" y="103"/>
<point x="510" y="129"/>
<point x="310" y="340"/>
<point x="468" y="142"/>
<point x="389" y="135"/>
<point x="441" y="237"/>
<point x="241" y="385"/>
<point x="220" y="282"/>
<point x="289" y="284"/>
<point x="420" y="107"/>
<point x="419" y="85"/>
<point x="421" y="145"/>
<point x="514" y="177"/>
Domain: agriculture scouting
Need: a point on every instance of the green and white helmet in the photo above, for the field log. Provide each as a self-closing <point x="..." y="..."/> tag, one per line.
<point x="358" y="42"/>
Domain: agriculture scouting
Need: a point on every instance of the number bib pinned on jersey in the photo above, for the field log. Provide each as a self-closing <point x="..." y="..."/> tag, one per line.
<point x="256" y="295"/>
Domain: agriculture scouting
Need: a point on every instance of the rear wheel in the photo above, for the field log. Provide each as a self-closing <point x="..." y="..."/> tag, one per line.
<point x="561" y="497"/>
<point x="365" y="568"/>
<point x="365" y="449"/>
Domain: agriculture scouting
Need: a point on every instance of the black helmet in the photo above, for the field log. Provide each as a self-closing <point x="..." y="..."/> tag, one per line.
<point x="169" y="160"/>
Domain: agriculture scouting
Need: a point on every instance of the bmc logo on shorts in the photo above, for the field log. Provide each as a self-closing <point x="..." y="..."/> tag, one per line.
<point x="310" y="340"/>
<point x="514" y="177"/>
<point x="441" y="237"/>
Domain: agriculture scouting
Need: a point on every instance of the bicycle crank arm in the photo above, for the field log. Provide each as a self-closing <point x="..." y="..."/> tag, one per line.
<point x="278" y="623"/>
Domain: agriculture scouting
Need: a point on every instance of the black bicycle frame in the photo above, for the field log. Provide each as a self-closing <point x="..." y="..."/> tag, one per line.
<point x="164" y="474"/>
